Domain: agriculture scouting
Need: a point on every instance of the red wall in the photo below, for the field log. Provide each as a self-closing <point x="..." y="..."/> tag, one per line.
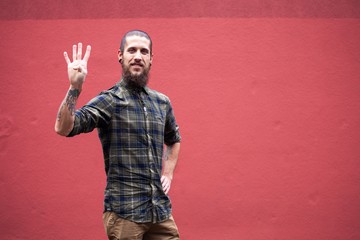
<point x="266" y="95"/>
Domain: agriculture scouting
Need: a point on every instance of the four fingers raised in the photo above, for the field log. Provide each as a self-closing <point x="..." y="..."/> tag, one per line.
<point x="77" y="53"/>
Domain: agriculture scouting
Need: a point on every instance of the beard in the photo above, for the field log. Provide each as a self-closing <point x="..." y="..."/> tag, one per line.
<point x="136" y="80"/>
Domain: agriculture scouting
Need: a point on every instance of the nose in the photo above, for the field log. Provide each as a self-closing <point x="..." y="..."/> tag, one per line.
<point x="137" y="55"/>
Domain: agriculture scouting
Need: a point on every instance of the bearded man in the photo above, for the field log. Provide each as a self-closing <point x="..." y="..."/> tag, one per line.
<point x="134" y="123"/>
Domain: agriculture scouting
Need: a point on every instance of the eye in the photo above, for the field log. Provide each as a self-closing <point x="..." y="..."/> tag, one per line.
<point x="131" y="50"/>
<point x="144" y="51"/>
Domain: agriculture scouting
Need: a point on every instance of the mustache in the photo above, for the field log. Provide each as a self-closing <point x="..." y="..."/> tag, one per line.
<point x="136" y="64"/>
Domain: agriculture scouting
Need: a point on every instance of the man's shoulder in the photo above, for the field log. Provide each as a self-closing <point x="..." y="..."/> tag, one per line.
<point x="158" y="95"/>
<point x="116" y="90"/>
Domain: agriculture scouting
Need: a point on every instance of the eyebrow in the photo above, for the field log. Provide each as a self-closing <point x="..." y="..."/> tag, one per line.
<point x="135" y="48"/>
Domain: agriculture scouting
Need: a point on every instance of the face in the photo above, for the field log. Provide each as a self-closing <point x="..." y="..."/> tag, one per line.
<point x="136" y="58"/>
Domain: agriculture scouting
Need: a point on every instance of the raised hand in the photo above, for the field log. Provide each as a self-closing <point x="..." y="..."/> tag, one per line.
<point x="77" y="69"/>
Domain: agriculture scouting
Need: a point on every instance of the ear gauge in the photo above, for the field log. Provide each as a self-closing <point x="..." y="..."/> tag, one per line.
<point x="120" y="60"/>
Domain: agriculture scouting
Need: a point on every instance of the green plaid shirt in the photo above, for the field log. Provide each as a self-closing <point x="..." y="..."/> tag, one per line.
<point x="133" y="126"/>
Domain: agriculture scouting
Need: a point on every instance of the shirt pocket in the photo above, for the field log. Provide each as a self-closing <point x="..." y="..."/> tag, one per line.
<point x="156" y="126"/>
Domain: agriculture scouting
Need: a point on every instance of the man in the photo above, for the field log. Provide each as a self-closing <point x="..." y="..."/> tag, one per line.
<point x="133" y="122"/>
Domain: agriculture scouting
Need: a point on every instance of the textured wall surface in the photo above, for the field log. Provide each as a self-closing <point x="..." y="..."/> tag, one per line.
<point x="266" y="95"/>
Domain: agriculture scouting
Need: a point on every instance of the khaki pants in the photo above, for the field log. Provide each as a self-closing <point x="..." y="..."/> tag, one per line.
<point x="118" y="228"/>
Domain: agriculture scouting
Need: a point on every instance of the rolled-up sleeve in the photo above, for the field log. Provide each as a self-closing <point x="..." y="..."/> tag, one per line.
<point x="96" y="113"/>
<point x="172" y="133"/>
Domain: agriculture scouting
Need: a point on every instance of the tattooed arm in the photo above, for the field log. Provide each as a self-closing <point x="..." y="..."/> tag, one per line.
<point x="169" y="164"/>
<point x="65" y="118"/>
<point x="77" y="71"/>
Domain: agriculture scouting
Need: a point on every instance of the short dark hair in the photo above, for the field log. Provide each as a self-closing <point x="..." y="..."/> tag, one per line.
<point x="135" y="33"/>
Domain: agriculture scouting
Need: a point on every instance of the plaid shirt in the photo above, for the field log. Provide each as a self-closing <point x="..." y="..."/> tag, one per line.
<point x="133" y="126"/>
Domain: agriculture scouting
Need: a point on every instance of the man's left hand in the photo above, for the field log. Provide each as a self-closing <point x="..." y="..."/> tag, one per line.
<point x="166" y="183"/>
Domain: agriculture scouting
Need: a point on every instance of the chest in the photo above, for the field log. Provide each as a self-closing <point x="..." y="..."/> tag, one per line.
<point x="139" y="118"/>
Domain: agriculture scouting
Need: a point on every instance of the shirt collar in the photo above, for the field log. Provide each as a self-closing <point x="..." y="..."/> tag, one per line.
<point x="134" y="89"/>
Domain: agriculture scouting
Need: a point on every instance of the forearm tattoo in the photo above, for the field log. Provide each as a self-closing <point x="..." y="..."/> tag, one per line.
<point x="70" y="102"/>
